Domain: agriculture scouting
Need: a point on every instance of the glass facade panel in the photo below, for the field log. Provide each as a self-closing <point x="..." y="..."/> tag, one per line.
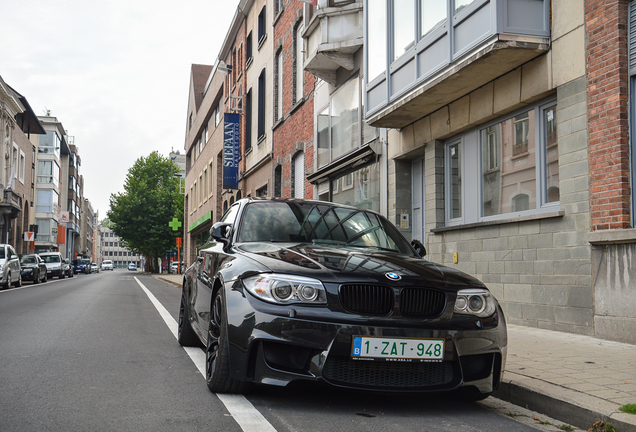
<point x="322" y="125"/>
<point x="432" y="13"/>
<point x="403" y="26"/>
<point x="376" y="39"/>
<point x="461" y="4"/>
<point x="345" y="116"/>
<point x="47" y="201"/>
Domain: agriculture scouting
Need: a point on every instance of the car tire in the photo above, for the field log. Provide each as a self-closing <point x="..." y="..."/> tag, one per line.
<point x="46" y="277"/>
<point x="185" y="335"/>
<point x="36" y="277"/>
<point x="217" y="359"/>
<point x="7" y="284"/>
<point x="62" y="275"/>
<point x="18" y="283"/>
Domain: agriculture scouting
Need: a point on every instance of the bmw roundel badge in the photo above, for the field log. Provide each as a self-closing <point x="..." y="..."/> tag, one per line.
<point x="393" y="276"/>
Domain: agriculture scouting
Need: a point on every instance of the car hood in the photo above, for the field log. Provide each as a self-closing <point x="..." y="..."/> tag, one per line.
<point x="28" y="265"/>
<point x="341" y="264"/>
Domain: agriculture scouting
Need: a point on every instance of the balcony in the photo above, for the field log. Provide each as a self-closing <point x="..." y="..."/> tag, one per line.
<point x="11" y="204"/>
<point x="333" y="36"/>
<point x="472" y="46"/>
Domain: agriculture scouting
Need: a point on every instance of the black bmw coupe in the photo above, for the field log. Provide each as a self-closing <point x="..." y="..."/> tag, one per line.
<point x="291" y="289"/>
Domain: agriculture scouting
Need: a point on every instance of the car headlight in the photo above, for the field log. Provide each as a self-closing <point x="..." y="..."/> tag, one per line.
<point x="286" y="289"/>
<point x="475" y="301"/>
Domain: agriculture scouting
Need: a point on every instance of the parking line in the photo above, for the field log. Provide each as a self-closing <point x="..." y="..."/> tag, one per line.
<point x="248" y="417"/>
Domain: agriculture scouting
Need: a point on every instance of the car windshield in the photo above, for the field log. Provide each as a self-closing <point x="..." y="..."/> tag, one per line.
<point x="319" y="223"/>
<point x="28" y="259"/>
<point x="51" y="258"/>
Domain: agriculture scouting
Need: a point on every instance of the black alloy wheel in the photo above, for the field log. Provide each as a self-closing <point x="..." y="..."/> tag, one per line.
<point x="217" y="360"/>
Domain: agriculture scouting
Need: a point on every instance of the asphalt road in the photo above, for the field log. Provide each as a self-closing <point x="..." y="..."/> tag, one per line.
<point x="98" y="353"/>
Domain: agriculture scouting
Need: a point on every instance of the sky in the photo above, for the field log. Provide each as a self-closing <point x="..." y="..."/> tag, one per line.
<point x="115" y="73"/>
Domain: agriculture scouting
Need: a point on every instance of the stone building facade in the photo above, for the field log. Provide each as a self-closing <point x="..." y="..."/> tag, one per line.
<point x="511" y="148"/>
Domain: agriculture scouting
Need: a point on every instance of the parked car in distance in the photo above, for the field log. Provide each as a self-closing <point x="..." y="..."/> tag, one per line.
<point x="82" y="265"/>
<point x="67" y="267"/>
<point x="289" y="290"/>
<point x="53" y="261"/>
<point x="174" y="267"/>
<point x="10" y="272"/>
<point x="94" y="267"/>
<point x="33" y="268"/>
<point x="107" y="265"/>
<point x="132" y="266"/>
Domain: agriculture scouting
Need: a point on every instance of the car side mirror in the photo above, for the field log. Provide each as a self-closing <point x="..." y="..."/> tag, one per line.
<point x="419" y="248"/>
<point x="220" y="231"/>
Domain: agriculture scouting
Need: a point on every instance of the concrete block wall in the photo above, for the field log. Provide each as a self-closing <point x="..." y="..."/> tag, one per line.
<point x="539" y="268"/>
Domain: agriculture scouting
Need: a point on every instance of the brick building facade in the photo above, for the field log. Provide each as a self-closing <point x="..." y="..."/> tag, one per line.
<point x="294" y="121"/>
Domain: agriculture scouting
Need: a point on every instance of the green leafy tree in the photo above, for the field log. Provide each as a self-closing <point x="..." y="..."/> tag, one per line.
<point x="151" y="199"/>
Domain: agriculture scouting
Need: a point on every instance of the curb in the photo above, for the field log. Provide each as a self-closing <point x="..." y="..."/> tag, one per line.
<point x="168" y="281"/>
<point x="577" y="409"/>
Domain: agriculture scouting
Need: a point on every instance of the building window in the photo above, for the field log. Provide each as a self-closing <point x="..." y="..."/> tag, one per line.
<point x="22" y="167"/>
<point x="338" y="125"/>
<point x="248" y="49"/>
<point x="262" y="23"/>
<point x="298" y="90"/>
<point x="47" y="200"/>
<point x="248" y="120"/>
<point x="278" y="86"/>
<point x="278" y="6"/>
<point x="551" y="161"/>
<point x="217" y="115"/>
<point x="261" y="105"/>
<point x="359" y="188"/>
<point x="517" y="171"/>
<point x="278" y="181"/>
<point x="48" y="172"/>
<point x="49" y="143"/>
<point x="44" y="230"/>
<point x="455" y="183"/>
<point x="403" y="27"/>
<point x="299" y="175"/>
<point x="261" y="192"/>
<point x="432" y="14"/>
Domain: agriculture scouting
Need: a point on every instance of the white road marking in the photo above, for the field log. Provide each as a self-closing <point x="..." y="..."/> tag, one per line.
<point x="248" y="417"/>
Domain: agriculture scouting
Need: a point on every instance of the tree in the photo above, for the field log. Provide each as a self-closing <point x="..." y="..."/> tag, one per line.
<point x="151" y="199"/>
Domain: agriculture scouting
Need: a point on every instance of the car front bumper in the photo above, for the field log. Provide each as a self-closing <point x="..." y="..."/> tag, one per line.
<point x="28" y="274"/>
<point x="273" y="349"/>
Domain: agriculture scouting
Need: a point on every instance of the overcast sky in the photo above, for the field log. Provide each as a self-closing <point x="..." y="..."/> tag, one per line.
<point x="116" y="73"/>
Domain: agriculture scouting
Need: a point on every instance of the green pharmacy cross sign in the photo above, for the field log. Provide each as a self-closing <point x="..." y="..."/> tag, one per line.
<point x="174" y="224"/>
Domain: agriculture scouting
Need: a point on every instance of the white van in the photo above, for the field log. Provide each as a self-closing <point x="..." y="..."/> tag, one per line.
<point x="107" y="265"/>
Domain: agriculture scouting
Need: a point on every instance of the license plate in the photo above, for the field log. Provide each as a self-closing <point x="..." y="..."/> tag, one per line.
<point x="397" y="348"/>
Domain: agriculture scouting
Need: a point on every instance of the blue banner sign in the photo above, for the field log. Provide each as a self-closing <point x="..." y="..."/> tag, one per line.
<point x="231" y="135"/>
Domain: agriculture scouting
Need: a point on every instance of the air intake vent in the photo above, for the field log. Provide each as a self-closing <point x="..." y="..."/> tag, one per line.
<point x="422" y="303"/>
<point x="367" y="299"/>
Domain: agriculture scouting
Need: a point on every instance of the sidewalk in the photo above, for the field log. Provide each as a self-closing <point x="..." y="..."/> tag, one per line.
<point x="575" y="379"/>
